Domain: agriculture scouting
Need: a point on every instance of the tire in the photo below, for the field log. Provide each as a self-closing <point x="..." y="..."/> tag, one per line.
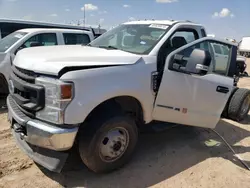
<point x="239" y="101"/>
<point x="93" y="138"/>
<point x="245" y="74"/>
<point x="225" y="111"/>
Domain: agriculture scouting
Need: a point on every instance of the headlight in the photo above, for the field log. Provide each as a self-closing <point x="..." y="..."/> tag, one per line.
<point x="58" y="95"/>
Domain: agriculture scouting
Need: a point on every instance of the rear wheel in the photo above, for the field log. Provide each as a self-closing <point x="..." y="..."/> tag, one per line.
<point x="245" y="74"/>
<point x="239" y="105"/>
<point x="107" y="144"/>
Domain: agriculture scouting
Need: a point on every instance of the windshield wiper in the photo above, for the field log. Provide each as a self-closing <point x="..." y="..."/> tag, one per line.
<point x="108" y="47"/>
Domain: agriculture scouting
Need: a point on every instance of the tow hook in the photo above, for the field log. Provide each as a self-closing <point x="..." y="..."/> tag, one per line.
<point x="20" y="129"/>
<point x="22" y="136"/>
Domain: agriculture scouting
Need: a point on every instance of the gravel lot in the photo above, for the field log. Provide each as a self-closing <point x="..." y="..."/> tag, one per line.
<point x="180" y="157"/>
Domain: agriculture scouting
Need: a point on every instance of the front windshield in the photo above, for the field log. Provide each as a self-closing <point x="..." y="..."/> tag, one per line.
<point x="138" y="39"/>
<point x="10" y="39"/>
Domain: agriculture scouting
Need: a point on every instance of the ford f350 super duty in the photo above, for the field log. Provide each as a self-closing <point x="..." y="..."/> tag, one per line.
<point x="100" y="95"/>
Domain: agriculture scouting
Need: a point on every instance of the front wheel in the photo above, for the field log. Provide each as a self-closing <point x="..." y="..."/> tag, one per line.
<point x="108" y="144"/>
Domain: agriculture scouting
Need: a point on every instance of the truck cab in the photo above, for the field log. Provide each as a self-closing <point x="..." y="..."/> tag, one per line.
<point x="101" y="94"/>
<point x="26" y="38"/>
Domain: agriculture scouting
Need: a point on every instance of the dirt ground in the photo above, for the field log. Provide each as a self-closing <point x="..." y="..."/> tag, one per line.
<point x="179" y="157"/>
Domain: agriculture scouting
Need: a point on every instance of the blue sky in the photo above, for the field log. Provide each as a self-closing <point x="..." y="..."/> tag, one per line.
<point x="224" y="18"/>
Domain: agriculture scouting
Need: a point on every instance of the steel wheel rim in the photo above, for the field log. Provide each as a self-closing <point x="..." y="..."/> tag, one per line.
<point x="114" y="144"/>
<point x="245" y="105"/>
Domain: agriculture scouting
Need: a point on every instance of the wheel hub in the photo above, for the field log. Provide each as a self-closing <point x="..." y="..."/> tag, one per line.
<point x="114" y="144"/>
<point x="117" y="146"/>
<point x="245" y="105"/>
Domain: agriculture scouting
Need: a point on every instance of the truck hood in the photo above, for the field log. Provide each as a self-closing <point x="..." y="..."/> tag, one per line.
<point x="52" y="59"/>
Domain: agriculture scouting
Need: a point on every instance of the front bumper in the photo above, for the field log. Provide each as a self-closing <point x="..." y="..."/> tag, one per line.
<point x="43" y="142"/>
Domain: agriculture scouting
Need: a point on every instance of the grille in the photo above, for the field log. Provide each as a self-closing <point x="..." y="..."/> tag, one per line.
<point x="25" y="75"/>
<point x="28" y="96"/>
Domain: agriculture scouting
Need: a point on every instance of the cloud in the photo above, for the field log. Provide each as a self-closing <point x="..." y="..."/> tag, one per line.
<point x="54" y="15"/>
<point x="11" y="0"/>
<point x="126" y="6"/>
<point x="166" y="1"/>
<point x="92" y="15"/>
<point x="89" y="7"/>
<point x="225" y="12"/>
<point x="67" y="10"/>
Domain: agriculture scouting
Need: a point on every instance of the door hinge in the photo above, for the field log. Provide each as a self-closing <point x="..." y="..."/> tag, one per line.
<point x="155" y="81"/>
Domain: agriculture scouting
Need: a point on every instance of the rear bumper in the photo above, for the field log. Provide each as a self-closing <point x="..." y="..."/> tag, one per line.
<point x="43" y="142"/>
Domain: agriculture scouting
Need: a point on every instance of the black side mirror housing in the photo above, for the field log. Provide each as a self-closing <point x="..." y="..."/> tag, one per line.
<point x="197" y="63"/>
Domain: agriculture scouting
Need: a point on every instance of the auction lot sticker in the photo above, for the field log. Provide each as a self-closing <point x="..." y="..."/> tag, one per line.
<point x="159" y="26"/>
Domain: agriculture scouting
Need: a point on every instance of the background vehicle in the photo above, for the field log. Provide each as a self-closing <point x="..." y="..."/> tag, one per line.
<point x="241" y="65"/>
<point x="221" y="55"/>
<point x="101" y="94"/>
<point x="244" y="47"/>
<point x="8" y="26"/>
<point x="26" y="38"/>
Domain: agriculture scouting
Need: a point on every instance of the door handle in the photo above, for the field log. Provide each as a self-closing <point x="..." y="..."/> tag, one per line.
<point x="222" y="89"/>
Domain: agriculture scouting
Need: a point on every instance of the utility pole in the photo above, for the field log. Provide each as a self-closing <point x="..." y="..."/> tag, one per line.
<point x="99" y="27"/>
<point x="84" y="16"/>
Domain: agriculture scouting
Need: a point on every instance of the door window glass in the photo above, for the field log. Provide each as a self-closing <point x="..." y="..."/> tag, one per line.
<point x="225" y="50"/>
<point x="178" y="39"/>
<point x="217" y="49"/>
<point x="45" y="39"/>
<point x="75" y="38"/>
<point x="189" y="36"/>
<point x="203" y="33"/>
<point x="219" y="62"/>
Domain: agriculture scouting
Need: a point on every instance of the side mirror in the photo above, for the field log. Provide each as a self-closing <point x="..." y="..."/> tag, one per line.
<point x="34" y="44"/>
<point x="197" y="63"/>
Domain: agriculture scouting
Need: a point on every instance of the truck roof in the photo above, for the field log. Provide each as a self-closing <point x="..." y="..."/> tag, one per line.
<point x="31" y="30"/>
<point x="164" y="22"/>
<point x="59" y="25"/>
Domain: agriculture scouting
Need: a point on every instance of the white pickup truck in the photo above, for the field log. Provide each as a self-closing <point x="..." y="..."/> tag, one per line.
<point x="100" y="95"/>
<point x="26" y="38"/>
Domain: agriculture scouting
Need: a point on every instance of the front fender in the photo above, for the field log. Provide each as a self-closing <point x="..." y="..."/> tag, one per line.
<point x="5" y="65"/>
<point x="94" y="86"/>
